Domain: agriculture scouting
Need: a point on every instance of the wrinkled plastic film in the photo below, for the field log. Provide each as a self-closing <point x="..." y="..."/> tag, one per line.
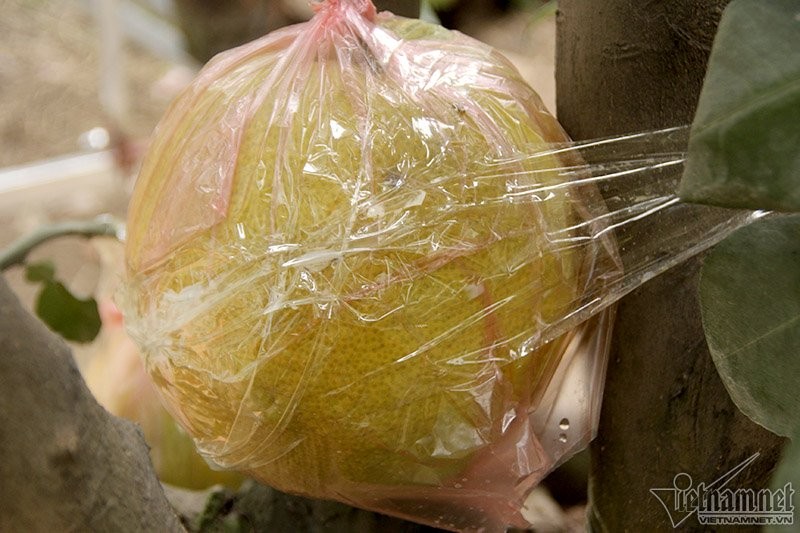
<point x="365" y="264"/>
<point x="637" y="175"/>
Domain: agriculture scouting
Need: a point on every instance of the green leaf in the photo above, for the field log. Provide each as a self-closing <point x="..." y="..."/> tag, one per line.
<point x="750" y="303"/>
<point x="42" y="271"/>
<point x="788" y="473"/>
<point x="72" y="318"/>
<point x="743" y="146"/>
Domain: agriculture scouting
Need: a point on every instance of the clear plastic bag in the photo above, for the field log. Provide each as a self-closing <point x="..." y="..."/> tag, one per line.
<point x="365" y="264"/>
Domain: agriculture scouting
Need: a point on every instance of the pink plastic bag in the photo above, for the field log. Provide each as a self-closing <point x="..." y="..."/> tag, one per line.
<point x="353" y="264"/>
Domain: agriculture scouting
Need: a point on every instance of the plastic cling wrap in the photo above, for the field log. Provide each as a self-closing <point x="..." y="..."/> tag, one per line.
<point x="365" y="264"/>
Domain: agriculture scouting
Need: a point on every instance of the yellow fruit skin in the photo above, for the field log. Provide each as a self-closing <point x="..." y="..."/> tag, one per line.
<point x="117" y="379"/>
<point x="362" y="311"/>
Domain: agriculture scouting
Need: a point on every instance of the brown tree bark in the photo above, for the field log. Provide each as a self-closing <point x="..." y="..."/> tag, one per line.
<point x="67" y="464"/>
<point x="625" y="66"/>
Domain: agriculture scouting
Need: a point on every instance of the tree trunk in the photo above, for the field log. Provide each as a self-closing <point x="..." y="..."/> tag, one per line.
<point x="625" y="66"/>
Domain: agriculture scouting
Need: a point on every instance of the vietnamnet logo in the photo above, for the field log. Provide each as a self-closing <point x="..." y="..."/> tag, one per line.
<point x="715" y="504"/>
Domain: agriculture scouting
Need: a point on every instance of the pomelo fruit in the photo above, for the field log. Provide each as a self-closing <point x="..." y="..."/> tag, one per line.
<point x="340" y="267"/>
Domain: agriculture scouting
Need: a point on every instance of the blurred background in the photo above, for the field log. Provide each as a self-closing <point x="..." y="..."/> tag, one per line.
<point x="82" y="85"/>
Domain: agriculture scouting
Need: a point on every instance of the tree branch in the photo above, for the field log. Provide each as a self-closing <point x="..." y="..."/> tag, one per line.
<point x="17" y="251"/>
<point x="68" y="465"/>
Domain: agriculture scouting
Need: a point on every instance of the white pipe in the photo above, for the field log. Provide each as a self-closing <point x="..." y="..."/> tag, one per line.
<point x="75" y="185"/>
